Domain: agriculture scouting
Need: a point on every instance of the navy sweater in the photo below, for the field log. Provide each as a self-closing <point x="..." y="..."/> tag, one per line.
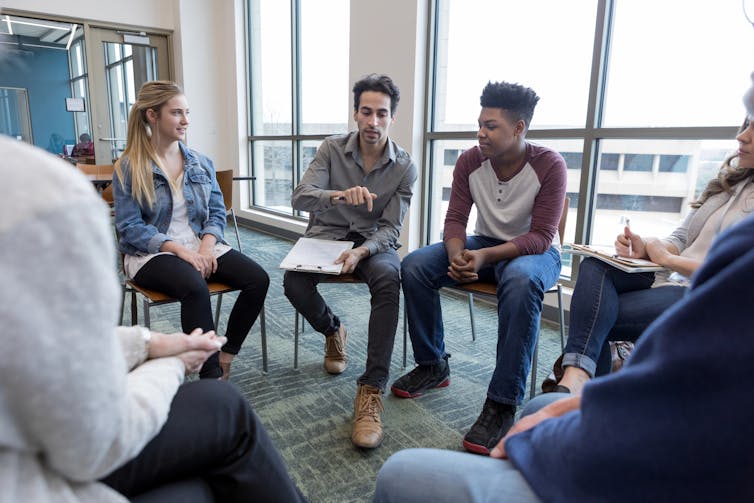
<point x="677" y="423"/>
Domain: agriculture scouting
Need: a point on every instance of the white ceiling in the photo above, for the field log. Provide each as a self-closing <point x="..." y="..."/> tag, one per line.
<point x="28" y="31"/>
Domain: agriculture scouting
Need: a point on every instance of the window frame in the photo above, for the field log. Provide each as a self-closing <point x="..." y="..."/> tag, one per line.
<point x="296" y="138"/>
<point x="592" y="134"/>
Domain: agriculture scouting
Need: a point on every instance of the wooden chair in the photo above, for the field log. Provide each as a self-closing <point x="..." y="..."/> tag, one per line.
<point x="152" y="298"/>
<point x="225" y="181"/>
<point x="488" y="291"/>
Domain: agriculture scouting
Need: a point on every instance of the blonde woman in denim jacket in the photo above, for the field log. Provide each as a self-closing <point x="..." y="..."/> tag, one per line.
<point x="170" y="216"/>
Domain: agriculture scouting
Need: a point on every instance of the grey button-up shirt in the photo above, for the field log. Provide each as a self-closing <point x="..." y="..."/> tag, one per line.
<point x="338" y="166"/>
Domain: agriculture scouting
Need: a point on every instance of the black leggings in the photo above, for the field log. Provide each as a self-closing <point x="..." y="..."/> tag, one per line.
<point x="212" y="448"/>
<point x="175" y="277"/>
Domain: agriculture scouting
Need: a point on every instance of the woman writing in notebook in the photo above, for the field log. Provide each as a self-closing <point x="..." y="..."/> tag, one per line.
<point x="170" y="216"/>
<point x="609" y="304"/>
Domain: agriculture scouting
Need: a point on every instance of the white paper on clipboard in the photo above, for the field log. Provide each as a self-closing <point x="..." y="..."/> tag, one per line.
<point x="315" y="255"/>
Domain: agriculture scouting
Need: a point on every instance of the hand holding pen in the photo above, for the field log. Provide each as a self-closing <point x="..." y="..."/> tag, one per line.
<point x="629" y="244"/>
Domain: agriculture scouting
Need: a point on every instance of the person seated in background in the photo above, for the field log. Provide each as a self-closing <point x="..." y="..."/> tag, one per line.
<point x="170" y="216"/>
<point x="358" y="188"/>
<point x="85" y="146"/>
<point x="672" y="425"/>
<point x="91" y="412"/>
<point x="518" y="189"/>
<point x="609" y="304"/>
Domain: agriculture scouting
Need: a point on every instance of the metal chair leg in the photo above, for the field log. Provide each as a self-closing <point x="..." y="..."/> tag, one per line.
<point x="471" y="315"/>
<point x="295" y="342"/>
<point x="217" y="312"/>
<point x="561" y="318"/>
<point x="134" y="313"/>
<point x="122" y="304"/>
<point x="405" y="332"/>
<point x="263" y="329"/>
<point x="146" y="314"/>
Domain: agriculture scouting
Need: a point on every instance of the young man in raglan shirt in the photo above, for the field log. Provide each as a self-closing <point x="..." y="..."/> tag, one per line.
<point x="518" y="189"/>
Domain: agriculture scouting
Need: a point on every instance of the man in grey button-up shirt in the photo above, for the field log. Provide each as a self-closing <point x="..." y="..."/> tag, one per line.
<point x="358" y="188"/>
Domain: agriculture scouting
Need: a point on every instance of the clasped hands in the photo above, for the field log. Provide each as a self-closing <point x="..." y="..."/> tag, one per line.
<point x="203" y="260"/>
<point x="465" y="265"/>
<point x="192" y="349"/>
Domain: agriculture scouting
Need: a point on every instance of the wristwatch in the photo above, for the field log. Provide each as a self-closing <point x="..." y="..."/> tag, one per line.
<point x="146" y="336"/>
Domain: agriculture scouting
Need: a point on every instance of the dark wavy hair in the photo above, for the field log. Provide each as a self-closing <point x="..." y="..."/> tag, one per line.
<point x="729" y="176"/>
<point x="518" y="100"/>
<point x="381" y="84"/>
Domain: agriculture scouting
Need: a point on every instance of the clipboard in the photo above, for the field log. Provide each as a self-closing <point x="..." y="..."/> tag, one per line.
<point x="607" y="254"/>
<point x="315" y="255"/>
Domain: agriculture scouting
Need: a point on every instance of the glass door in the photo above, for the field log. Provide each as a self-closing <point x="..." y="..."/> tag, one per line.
<point x="119" y="63"/>
<point x="14" y="114"/>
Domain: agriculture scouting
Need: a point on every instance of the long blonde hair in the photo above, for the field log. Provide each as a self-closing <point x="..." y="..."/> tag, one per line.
<point x="729" y="176"/>
<point x="139" y="149"/>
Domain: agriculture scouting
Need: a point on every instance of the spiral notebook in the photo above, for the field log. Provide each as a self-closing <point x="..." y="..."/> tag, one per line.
<point x="315" y="255"/>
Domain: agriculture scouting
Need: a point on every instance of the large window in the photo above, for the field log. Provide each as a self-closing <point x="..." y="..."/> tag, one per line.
<point x="298" y="61"/>
<point x="641" y="97"/>
<point x="80" y="85"/>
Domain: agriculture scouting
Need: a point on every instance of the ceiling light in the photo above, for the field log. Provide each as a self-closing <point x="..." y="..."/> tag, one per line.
<point x="70" y="39"/>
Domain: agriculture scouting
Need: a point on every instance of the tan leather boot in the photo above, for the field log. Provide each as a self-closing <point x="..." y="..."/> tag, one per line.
<point x="367" y="426"/>
<point x="335" y="351"/>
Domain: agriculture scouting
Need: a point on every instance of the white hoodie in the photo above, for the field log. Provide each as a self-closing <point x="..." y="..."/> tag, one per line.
<point x="70" y="410"/>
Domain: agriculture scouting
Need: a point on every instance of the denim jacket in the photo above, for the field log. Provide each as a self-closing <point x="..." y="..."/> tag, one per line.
<point x="143" y="230"/>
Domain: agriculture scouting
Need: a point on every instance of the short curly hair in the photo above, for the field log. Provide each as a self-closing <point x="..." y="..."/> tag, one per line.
<point x="514" y="98"/>
<point x="379" y="83"/>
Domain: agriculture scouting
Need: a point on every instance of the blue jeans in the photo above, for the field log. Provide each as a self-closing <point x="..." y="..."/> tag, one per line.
<point x="441" y="475"/>
<point x="611" y="305"/>
<point x="521" y="283"/>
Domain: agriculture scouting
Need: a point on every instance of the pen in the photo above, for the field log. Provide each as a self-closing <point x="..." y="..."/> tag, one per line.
<point x="630" y="245"/>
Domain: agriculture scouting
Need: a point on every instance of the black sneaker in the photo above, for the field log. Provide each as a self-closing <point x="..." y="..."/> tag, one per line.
<point x="491" y="425"/>
<point x="421" y="379"/>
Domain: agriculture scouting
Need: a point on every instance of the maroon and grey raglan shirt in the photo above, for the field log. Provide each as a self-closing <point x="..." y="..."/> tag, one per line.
<point x="524" y="208"/>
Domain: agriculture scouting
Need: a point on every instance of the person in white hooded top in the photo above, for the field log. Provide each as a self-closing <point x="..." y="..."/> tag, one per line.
<point x="88" y="411"/>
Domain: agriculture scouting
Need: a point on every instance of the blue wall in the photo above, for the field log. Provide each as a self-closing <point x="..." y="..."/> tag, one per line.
<point x="44" y="73"/>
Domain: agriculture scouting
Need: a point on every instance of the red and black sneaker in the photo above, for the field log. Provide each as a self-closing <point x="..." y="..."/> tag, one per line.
<point x="490" y="427"/>
<point x="422" y="378"/>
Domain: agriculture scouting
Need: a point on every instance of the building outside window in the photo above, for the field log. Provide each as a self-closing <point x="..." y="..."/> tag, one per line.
<point x="300" y="93"/>
<point x="642" y="127"/>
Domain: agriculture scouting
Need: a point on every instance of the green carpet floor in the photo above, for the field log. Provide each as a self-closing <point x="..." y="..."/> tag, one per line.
<point x="308" y="412"/>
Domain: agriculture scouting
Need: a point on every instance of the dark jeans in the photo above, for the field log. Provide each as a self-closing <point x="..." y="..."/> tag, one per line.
<point x="521" y="284"/>
<point x="611" y="305"/>
<point x="381" y="273"/>
<point x="177" y="278"/>
<point x="212" y="446"/>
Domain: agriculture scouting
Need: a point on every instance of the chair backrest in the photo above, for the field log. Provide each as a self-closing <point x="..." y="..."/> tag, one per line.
<point x="96" y="169"/>
<point x="563" y="219"/>
<point x="225" y="181"/>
